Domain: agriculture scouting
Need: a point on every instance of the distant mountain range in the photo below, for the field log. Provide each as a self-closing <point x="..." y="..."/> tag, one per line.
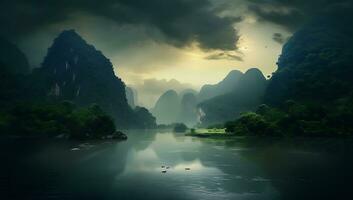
<point x="225" y="86"/>
<point x="74" y="70"/>
<point x="246" y="95"/>
<point x="236" y="93"/>
<point x="312" y="88"/>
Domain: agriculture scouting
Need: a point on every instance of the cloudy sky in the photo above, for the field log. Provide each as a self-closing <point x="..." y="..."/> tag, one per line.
<point x="156" y="45"/>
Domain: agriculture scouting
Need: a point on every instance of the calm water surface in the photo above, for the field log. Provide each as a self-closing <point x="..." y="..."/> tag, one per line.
<point x="219" y="168"/>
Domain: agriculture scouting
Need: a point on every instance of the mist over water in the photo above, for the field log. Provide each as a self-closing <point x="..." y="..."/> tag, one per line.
<point x="240" y="168"/>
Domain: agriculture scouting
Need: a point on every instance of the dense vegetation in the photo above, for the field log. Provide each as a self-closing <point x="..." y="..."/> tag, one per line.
<point x="296" y="119"/>
<point x="311" y="93"/>
<point x="180" y="128"/>
<point x="57" y="119"/>
<point x="143" y="119"/>
<point x="74" y="70"/>
<point x="38" y="103"/>
<point x="22" y="114"/>
<point x="316" y="63"/>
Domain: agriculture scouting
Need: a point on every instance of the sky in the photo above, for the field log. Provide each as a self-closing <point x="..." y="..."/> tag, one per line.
<point x="157" y="45"/>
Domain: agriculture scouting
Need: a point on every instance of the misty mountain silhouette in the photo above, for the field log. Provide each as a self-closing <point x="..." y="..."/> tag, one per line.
<point x="74" y="70"/>
<point x="188" y="109"/>
<point x="246" y="96"/>
<point x="192" y="91"/>
<point x="225" y="86"/>
<point x="130" y="97"/>
<point x="167" y="108"/>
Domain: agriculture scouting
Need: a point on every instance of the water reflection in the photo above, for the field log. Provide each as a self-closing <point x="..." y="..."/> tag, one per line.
<point x="208" y="178"/>
<point x="194" y="168"/>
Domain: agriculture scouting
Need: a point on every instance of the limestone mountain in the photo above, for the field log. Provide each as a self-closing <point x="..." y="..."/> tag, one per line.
<point x="167" y="108"/>
<point x="130" y="97"/>
<point x="188" y="109"/>
<point x="74" y="70"/>
<point x="316" y="63"/>
<point x="246" y="96"/>
<point x="225" y="86"/>
<point x="192" y="91"/>
<point x="311" y="93"/>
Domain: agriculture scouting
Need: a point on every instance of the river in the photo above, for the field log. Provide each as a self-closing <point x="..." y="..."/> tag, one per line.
<point x="170" y="166"/>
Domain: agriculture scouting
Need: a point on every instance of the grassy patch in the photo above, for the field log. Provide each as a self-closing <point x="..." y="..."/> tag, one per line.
<point x="211" y="131"/>
<point x="203" y="132"/>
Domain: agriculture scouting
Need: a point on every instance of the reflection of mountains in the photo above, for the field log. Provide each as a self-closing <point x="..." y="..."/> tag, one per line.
<point x="240" y="175"/>
<point x="240" y="168"/>
<point x="296" y="168"/>
<point x="291" y="168"/>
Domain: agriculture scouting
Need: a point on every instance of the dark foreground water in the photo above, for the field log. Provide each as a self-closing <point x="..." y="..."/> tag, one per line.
<point x="219" y="168"/>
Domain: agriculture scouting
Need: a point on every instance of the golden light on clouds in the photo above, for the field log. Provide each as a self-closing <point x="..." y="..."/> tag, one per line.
<point x="191" y="65"/>
<point x="195" y="67"/>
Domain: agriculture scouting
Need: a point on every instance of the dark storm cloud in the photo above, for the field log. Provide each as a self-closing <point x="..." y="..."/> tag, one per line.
<point x="224" y="56"/>
<point x="291" y="14"/>
<point x="279" y="38"/>
<point x="290" y="19"/>
<point x="180" y="21"/>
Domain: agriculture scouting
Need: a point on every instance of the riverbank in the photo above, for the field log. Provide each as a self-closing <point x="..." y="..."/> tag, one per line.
<point x="214" y="132"/>
<point x="117" y="135"/>
<point x="221" y="133"/>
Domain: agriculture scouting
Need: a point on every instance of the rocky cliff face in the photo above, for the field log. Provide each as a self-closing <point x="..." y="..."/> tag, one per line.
<point x="130" y="97"/>
<point x="74" y="70"/>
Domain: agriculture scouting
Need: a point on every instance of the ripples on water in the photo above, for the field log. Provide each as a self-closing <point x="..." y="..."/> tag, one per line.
<point x="193" y="168"/>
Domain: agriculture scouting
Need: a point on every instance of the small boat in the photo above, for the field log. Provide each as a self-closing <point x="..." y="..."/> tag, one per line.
<point x="187" y="168"/>
<point x="164" y="171"/>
